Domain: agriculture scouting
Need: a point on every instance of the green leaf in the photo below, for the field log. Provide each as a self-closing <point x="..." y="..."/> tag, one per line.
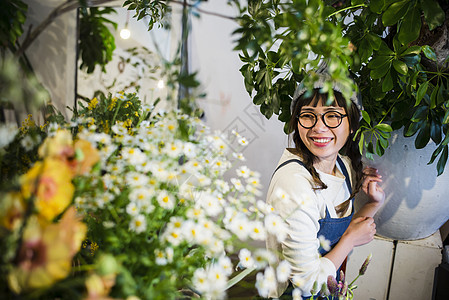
<point x="429" y="52"/>
<point x="420" y="114"/>
<point x="433" y="97"/>
<point x="379" y="61"/>
<point x="412" y="50"/>
<point x="435" y="154"/>
<point x="365" y="50"/>
<point x="423" y="137"/>
<point x="440" y="96"/>
<point x="387" y="83"/>
<point x="362" y="138"/>
<point x="379" y="149"/>
<point x="395" y="12"/>
<point x="412" y="129"/>
<point x="385" y="135"/>
<point x="374" y="40"/>
<point x="259" y="98"/>
<point x="410" y="26"/>
<point x="433" y="13"/>
<point x="380" y="72"/>
<point x="370" y="147"/>
<point x="385" y="50"/>
<point x="421" y="92"/>
<point x="384" y="127"/>
<point x="446" y="138"/>
<point x="400" y="67"/>
<point x="435" y="131"/>
<point x="446" y="117"/>
<point x="442" y="161"/>
<point x="412" y="60"/>
<point x="376" y="6"/>
<point x="383" y="142"/>
<point x="366" y="117"/>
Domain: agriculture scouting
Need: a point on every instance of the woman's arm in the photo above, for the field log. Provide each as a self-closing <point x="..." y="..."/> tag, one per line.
<point x="362" y="228"/>
<point x="374" y="192"/>
<point x="301" y="212"/>
<point x="360" y="231"/>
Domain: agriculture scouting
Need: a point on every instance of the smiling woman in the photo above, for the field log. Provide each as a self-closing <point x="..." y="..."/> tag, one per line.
<point x="319" y="184"/>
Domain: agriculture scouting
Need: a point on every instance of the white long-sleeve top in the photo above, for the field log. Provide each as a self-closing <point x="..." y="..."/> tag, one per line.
<point x="293" y="198"/>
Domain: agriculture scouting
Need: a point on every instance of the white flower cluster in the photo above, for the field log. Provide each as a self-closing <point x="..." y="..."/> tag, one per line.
<point x="171" y="168"/>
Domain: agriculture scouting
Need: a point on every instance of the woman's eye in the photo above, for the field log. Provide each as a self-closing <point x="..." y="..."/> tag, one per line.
<point x="333" y="115"/>
<point x="307" y="116"/>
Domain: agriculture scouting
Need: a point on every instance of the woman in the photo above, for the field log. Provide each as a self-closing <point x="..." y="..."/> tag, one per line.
<point x="313" y="187"/>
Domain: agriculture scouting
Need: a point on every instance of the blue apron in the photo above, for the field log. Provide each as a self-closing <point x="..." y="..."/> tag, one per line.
<point x="331" y="228"/>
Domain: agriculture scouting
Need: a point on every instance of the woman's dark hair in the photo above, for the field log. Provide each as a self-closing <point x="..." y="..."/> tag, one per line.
<point x="350" y="148"/>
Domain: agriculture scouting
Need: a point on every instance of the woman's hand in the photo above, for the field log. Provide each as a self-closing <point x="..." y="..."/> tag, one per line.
<point x="371" y="188"/>
<point x="360" y="231"/>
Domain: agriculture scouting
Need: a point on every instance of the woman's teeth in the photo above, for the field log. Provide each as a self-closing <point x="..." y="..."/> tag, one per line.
<point x="321" y="140"/>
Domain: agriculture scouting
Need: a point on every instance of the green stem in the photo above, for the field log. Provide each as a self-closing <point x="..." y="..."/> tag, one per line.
<point x="352" y="282"/>
<point x="116" y="111"/>
<point x="346" y="8"/>
<point x="239" y="277"/>
<point x="391" y="107"/>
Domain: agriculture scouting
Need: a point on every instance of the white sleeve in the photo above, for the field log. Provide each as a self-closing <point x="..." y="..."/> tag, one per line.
<point x="300" y="209"/>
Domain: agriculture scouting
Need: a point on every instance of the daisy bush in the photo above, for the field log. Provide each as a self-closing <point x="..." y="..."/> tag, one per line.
<point x="171" y="211"/>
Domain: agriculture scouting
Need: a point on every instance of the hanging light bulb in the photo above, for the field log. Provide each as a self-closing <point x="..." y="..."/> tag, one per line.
<point x="160" y="84"/>
<point x="125" y="33"/>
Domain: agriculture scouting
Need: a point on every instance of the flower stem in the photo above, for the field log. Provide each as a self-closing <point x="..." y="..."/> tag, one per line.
<point x="346" y="8"/>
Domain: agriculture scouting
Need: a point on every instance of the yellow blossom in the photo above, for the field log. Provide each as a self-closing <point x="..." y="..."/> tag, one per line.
<point x="87" y="156"/>
<point x="50" y="182"/>
<point x="12" y="210"/>
<point x="46" y="252"/>
<point x="27" y="123"/>
<point x="93" y="103"/>
<point x="58" y="146"/>
<point x="112" y="104"/>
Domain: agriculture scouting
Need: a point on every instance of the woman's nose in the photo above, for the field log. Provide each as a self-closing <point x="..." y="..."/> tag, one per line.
<point x="320" y="126"/>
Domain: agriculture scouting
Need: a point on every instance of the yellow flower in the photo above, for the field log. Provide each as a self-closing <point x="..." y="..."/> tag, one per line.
<point x="46" y="252"/>
<point x="112" y="104"/>
<point x="93" y="103"/>
<point x="50" y="182"/>
<point x="58" y="146"/>
<point x="27" y="123"/>
<point x="12" y="210"/>
<point x="87" y="156"/>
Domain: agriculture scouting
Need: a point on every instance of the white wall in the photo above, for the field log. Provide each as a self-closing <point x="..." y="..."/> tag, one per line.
<point x="228" y="106"/>
<point x="52" y="54"/>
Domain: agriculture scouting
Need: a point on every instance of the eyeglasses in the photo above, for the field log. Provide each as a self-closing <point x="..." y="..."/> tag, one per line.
<point x="332" y="119"/>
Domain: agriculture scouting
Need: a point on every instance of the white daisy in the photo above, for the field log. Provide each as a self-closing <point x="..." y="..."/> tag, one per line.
<point x="246" y="260"/>
<point x="243" y="171"/>
<point x="283" y="271"/>
<point x="275" y="225"/>
<point x="165" y="200"/>
<point x="138" y="224"/>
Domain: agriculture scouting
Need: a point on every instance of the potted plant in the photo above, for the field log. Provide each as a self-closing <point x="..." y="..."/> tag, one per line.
<point x="394" y="51"/>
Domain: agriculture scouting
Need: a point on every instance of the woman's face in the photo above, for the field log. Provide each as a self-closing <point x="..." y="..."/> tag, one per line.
<point x="322" y="141"/>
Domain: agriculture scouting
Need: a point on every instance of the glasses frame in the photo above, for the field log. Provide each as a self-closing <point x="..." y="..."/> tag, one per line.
<point x="322" y="118"/>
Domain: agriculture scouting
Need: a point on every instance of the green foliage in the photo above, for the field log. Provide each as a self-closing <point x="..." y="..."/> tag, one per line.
<point x="376" y="43"/>
<point x="96" y="42"/>
<point x="12" y="18"/>
<point x="155" y="10"/>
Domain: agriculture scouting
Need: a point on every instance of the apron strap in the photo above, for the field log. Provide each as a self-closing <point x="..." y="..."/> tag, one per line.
<point x="345" y="173"/>
<point x="287" y="162"/>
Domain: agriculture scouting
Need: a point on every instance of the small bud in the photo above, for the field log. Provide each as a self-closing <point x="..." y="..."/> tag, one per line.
<point x="365" y="265"/>
<point x="343" y="290"/>
<point x="332" y="284"/>
<point x="324" y="292"/>
<point x="314" y="289"/>
<point x="342" y="276"/>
